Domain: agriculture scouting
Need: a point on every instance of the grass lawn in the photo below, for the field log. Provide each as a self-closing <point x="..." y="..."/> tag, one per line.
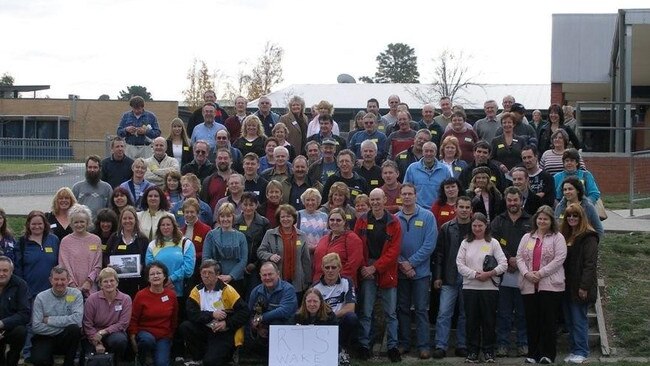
<point x="621" y="201"/>
<point x="25" y="166"/>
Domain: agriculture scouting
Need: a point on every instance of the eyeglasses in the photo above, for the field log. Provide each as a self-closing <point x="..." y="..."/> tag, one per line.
<point x="330" y="268"/>
<point x="200" y="152"/>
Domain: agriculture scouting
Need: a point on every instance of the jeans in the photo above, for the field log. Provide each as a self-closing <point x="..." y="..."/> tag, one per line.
<point x="509" y="301"/>
<point x="369" y="291"/>
<point x="348" y="329"/>
<point x="147" y="343"/>
<point x="449" y="295"/>
<point x="414" y="292"/>
<point x="575" y="319"/>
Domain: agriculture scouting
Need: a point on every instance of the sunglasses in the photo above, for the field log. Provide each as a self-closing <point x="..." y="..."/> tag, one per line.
<point x="329" y="268"/>
<point x="200" y="152"/>
<point x="572" y="215"/>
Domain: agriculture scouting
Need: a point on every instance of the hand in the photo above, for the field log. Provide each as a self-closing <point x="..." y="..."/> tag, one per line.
<point x="141" y="130"/>
<point x="134" y="345"/>
<point x="582" y="294"/>
<point x="219" y="314"/>
<point x="97" y="337"/>
<point x="484" y="276"/>
<point x="437" y="284"/>
<point x="219" y="326"/>
<point x="405" y="266"/>
<point x="86" y="286"/>
<point x="130" y="129"/>
<point x="504" y="169"/>
<point x="512" y="264"/>
<point x="99" y="348"/>
<point x="250" y="268"/>
<point x="410" y="273"/>
<point x="533" y="276"/>
<point x="225" y="278"/>
<point x="45" y="319"/>
<point x="477" y="191"/>
<point x="275" y="258"/>
<point x="256" y="321"/>
<point x="368" y="272"/>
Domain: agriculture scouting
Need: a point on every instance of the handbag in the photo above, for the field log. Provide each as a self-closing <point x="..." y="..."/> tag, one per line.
<point x="490" y="263"/>
<point x="101" y="359"/>
<point x="600" y="208"/>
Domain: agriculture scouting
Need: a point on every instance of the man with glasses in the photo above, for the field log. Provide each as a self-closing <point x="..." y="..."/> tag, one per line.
<point x="266" y="115"/>
<point x="208" y="129"/>
<point x="369" y="133"/>
<point x="200" y="165"/>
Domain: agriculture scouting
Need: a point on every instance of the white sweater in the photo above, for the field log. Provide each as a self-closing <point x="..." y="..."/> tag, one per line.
<point x="470" y="261"/>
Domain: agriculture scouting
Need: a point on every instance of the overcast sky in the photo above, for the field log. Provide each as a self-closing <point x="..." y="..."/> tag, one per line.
<point x="94" y="47"/>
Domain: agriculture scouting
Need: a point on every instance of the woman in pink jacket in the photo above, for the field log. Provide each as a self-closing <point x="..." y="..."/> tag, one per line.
<point x="540" y="260"/>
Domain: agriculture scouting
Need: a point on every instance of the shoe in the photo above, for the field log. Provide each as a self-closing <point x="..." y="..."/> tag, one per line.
<point x="364" y="354"/>
<point x="425" y="354"/>
<point x="502" y="351"/>
<point x="545" y="361"/>
<point x="344" y="358"/>
<point x="439" y="353"/>
<point x="193" y="363"/>
<point x="461" y="352"/>
<point x="472" y="358"/>
<point x="567" y="358"/>
<point x="577" y="359"/>
<point x="402" y="350"/>
<point x="530" y="360"/>
<point x="522" y="351"/>
<point x="489" y="357"/>
<point x="394" y="355"/>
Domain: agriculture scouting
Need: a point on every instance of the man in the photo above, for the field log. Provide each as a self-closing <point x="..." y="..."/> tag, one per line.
<point x="427" y="174"/>
<point x="338" y="292"/>
<point x="391" y="186"/>
<point x="369" y="133"/>
<point x="372" y="106"/>
<point x="522" y="128"/>
<point x="116" y="169"/>
<point x="197" y="116"/>
<point x="216" y="314"/>
<point x="449" y="281"/>
<point x="214" y="186"/>
<point x="486" y="128"/>
<point x="137" y="185"/>
<point x="413" y="153"/>
<point x="138" y="127"/>
<point x="234" y="196"/>
<point x="272" y="302"/>
<point x="508" y="228"/>
<point x="419" y="235"/>
<point x="200" y="165"/>
<point x="401" y="107"/>
<point x="252" y="181"/>
<point x="56" y="320"/>
<point x="324" y="167"/>
<point x="482" y="151"/>
<point x="537" y="122"/>
<point x="507" y="103"/>
<point x="381" y="235"/>
<point x="325" y="122"/>
<point x="207" y="130"/>
<point x="297" y="184"/>
<point x="14" y="312"/>
<point x="391" y="117"/>
<point x="369" y="170"/>
<point x="281" y="170"/>
<point x="540" y="182"/>
<point x="268" y="117"/>
<point x="233" y="123"/>
<point x="92" y="191"/>
<point x="428" y="122"/>
<point x="223" y="142"/>
<point x="444" y="118"/>
<point x="530" y="201"/>
<point x="356" y="184"/>
<point x="312" y="148"/>
<point x="160" y="163"/>
<point x="401" y="139"/>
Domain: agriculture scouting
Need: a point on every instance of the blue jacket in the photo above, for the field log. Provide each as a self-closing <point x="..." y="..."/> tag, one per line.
<point x="587" y="179"/>
<point x="278" y="305"/>
<point x="229" y="248"/>
<point x="205" y="215"/>
<point x="179" y="259"/>
<point x="426" y="181"/>
<point x="146" y="118"/>
<point x="419" y="237"/>
<point x="378" y="137"/>
<point x="34" y="262"/>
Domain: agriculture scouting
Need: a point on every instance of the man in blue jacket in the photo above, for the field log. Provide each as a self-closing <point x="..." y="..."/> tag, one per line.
<point x="427" y="174"/>
<point x="14" y="313"/>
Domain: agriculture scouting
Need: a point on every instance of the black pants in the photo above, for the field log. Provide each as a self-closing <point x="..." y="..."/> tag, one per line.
<point x="542" y="311"/>
<point x="65" y="343"/>
<point x="481" y="319"/>
<point x="15" y="339"/>
<point x="116" y="343"/>
<point x="203" y="344"/>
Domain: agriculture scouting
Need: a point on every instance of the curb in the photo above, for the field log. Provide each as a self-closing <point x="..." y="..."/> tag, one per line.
<point x="31" y="175"/>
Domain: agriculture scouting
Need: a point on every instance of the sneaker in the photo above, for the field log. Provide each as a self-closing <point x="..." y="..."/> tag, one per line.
<point x="439" y="353"/>
<point x="344" y="358"/>
<point x="545" y="361"/>
<point x="471" y="358"/>
<point x="461" y="352"/>
<point x="502" y="351"/>
<point x="577" y="359"/>
<point x="522" y="351"/>
<point x="193" y="363"/>
<point x="489" y="357"/>
<point x="179" y="359"/>
<point x="364" y="354"/>
<point x="567" y="358"/>
<point x="394" y="355"/>
<point x="530" y="360"/>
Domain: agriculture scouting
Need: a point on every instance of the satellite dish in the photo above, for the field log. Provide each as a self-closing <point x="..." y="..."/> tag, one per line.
<point x="345" y="79"/>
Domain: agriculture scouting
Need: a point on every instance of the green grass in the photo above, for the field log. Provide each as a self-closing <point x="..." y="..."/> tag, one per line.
<point x="16" y="224"/>
<point x="621" y="201"/>
<point x="25" y="166"/>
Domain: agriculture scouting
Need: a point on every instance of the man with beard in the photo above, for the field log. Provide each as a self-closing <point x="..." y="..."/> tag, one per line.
<point x="214" y="186"/>
<point x="92" y="191"/>
<point x="116" y="168"/>
<point x="482" y="152"/>
<point x="160" y="163"/>
<point x="413" y="153"/>
<point x="294" y="187"/>
<point x="530" y="201"/>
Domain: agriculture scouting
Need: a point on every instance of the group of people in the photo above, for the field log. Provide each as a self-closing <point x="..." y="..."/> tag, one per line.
<point x="190" y="247"/>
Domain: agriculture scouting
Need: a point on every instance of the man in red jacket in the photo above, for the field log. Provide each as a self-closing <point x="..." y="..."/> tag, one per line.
<point x="381" y="234"/>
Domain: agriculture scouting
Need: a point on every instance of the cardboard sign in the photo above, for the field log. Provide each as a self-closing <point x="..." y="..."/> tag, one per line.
<point x="303" y="345"/>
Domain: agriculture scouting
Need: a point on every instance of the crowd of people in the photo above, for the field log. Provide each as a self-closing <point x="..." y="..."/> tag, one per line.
<point x="188" y="248"/>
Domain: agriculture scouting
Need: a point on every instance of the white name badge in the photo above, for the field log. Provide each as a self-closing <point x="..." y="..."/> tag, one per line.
<point x="118" y="307"/>
<point x="164" y="298"/>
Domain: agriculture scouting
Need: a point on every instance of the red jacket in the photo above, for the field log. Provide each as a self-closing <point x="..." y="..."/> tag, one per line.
<point x="348" y="246"/>
<point x="200" y="231"/>
<point x="386" y="265"/>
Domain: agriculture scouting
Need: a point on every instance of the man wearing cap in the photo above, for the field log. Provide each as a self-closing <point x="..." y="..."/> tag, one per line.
<point x="325" y="122"/>
<point x="326" y="165"/>
<point x="521" y="128"/>
<point x="138" y="127"/>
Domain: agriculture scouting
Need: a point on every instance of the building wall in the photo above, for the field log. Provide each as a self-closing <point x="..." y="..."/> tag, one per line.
<point x="612" y="172"/>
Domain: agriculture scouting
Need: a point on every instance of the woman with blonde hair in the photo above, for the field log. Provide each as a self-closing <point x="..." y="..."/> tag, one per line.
<point x="252" y="139"/>
<point x="486" y="198"/>
<point x="281" y="133"/>
<point x="324" y="107"/>
<point x="295" y="122"/>
<point x="58" y="218"/>
<point x="178" y="143"/>
<point x="450" y="156"/>
<point x="339" y="196"/>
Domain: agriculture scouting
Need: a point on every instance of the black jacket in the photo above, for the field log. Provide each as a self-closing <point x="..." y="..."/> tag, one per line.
<point x="509" y="233"/>
<point x="235" y="318"/>
<point x="187" y="155"/>
<point x="444" y="257"/>
<point x="116" y="172"/>
<point x="580" y="267"/>
<point x="15" y="309"/>
<point x="466" y="176"/>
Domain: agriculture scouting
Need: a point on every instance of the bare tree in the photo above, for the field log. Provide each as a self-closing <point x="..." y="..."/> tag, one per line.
<point x="233" y="89"/>
<point x="266" y="73"/>
<point x="200" y="81"/>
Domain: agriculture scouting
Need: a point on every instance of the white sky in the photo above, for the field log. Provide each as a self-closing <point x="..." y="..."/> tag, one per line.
<point x="94" y="47"/>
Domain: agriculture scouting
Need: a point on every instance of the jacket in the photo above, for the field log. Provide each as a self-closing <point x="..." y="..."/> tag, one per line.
<point x="427" y="181"/>
<point x="199" y="233"/>
<point x="277" y="305"/>
<point x="580" y="267"/>
<point x="272" y="244"/>
<point x="419" y="235"/>
<point x="497" y="206"/>
<point x="403" y="160"/>
<point x="590" y="211"/>
<point x="554" y="252"/>
<point x="186" y="156"/>
<point x="297" y="131"/>
<point x="386" y="265"/>
<point x="444" y="257"/>
<point x="348" y="246"/>
<point x="15" y="309"/>
<point x="588" y="181"/>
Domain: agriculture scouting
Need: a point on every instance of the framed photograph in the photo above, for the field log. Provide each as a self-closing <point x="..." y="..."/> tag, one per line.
<point x="126" y="266"/>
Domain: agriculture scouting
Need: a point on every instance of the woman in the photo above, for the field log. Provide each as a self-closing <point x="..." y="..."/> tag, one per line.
<point x="323" y="107"/>
<point x="58" y="217"/>
<point x="556" y="122"/>
<point x="196" y="231"/>
<point x="570" y="159"/>
<point x="119" y="199"/>
<point x="7" y="241"/>
<point x="296" y="122"/>
<point x="361" y="205"/>
<point x="444" y="209"/>
<point x="106" y="318"/>
<point x="37" y="253"/>
<point x="480" y="288"/>
<point x="172" y="188"/>
<point x="273" y="201"/>
<point x="310" y="220"/>
<point x="281" y="132"/>
<point x="314" y="310"/>
<point x="128" y="240"/>
<point x="450" y="156"/>
<point x="537" y="122"/>
<point x="190" y="188"/>
<point x="268" y="161"/>
<point x="154" y="317"/>
<point x="486" y="198"/>
<point x="137" y="184"/>
<point x="228" y="247"/>
<point x="342" y="241"/>
<point x="506" y="148"/>
<point x="286" y="246"/>
<point x="573" y="191"/>
<point x="580" y="269"/>
<point x="178" y="143"/>
<point x="358" y="125"/>
<point x="540" y="256"/>
<point x="81" y="252"/>
<point x="551" y="160"/>
<point x="105" y="225"/>
<point x="466" y="136"/>
<point x="253" y="226"/>
<point x="154" y="207"/>
<point x="252" y="139"/>
<point x="339" y="196"/>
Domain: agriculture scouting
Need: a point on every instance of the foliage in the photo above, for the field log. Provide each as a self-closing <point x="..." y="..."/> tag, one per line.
<point x="104" y="97"/>
<point x="200" y="82"/>
<point x="397" y="64"/>
<point x="134" y="90"/>
<point x="7" y="80"/>
<point x="266" y="73"/>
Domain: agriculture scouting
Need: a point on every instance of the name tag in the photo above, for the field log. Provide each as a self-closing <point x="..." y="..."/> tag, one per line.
<point x="375" y="140"/>
<point x="298" y="243"/>
<point x="398" y="200"/>
<point x="70" y="298"/>
<point x="371" y="226"/>
<point x="179" y="212"/>
<point x="503" y="242"/>
<point x="257" y="192"/>
<point x="501" y="146"/>
<point x="458" y="169"/>
<point x="53" y="226"/>
<point x="434" y="132"/>
<point x="562" y="217"/>
<point x="348" y="217"/>
<point x="249" y="144"/>
<point x="118" y="307"/>
<point x="329" y="173"/>
<point x="294" y="123"/>
<point x="381" y="128"/>
<point x="243" y="227"/>
<point x="468" y="139"/>
<point x="93" y="247"/>
<point x="354" y="193"/>
<point x="530" y="245"/>
<point x="49" y="250"/>
<point x="121" y="247"/>
<point x="485" y="248"/>
<point x="164" y="298"/>
<point x="444" y="213"/>
<point x="198" y="239"/>
<point x="103" y="247"/>
<point x="419" y="223"/>
<point x="374" y="182"/>
<point x="493" y="179"/>
<point x="185" y="148"/>
<point x="402" y="156"/>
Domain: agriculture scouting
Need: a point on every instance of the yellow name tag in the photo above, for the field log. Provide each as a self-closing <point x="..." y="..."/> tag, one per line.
<point x="355" y="193"/>
<point x="330" y="173"/>
<point x="503" y="242"/>
<point x="243" y="227"/>
<point x="458" y="169"/>
<point x="444" y="213"/>
<point x="402" y="156"/>
<point x="70" y="298"/>
<point x="198" y="239"/>
<point x="249" y="144"/>
<point x="375" y="140"/>
<point x="180" y="212"/>
<point x="419" y="223"/>
<point x="186" y="148"/>
<point x="93" y="247"/>
<point x="298" y="243"/>
<point x="530" y="245"/>
<point x="380" y="127"/>
<point x="371" y="226"/>
<point x="348" y="217"/>
<point x="494" y="179"/>
<point x="374" y="182"/>
<point x="103" y="247"/>
<point x="485" y="248"/>
<point x="49" y="250"/>
<point x="121" y="247"/>
<point x="398" y="200"/>
<point x="434" y="132"/>
<point x="562" y="217"/>
<point x="501" y="146"/>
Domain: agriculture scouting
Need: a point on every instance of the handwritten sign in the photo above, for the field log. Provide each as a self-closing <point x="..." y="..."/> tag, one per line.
<point x="303" y="345"/>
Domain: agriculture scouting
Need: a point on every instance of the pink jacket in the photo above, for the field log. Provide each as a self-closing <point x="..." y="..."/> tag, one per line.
<point x="551" y="267"/>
